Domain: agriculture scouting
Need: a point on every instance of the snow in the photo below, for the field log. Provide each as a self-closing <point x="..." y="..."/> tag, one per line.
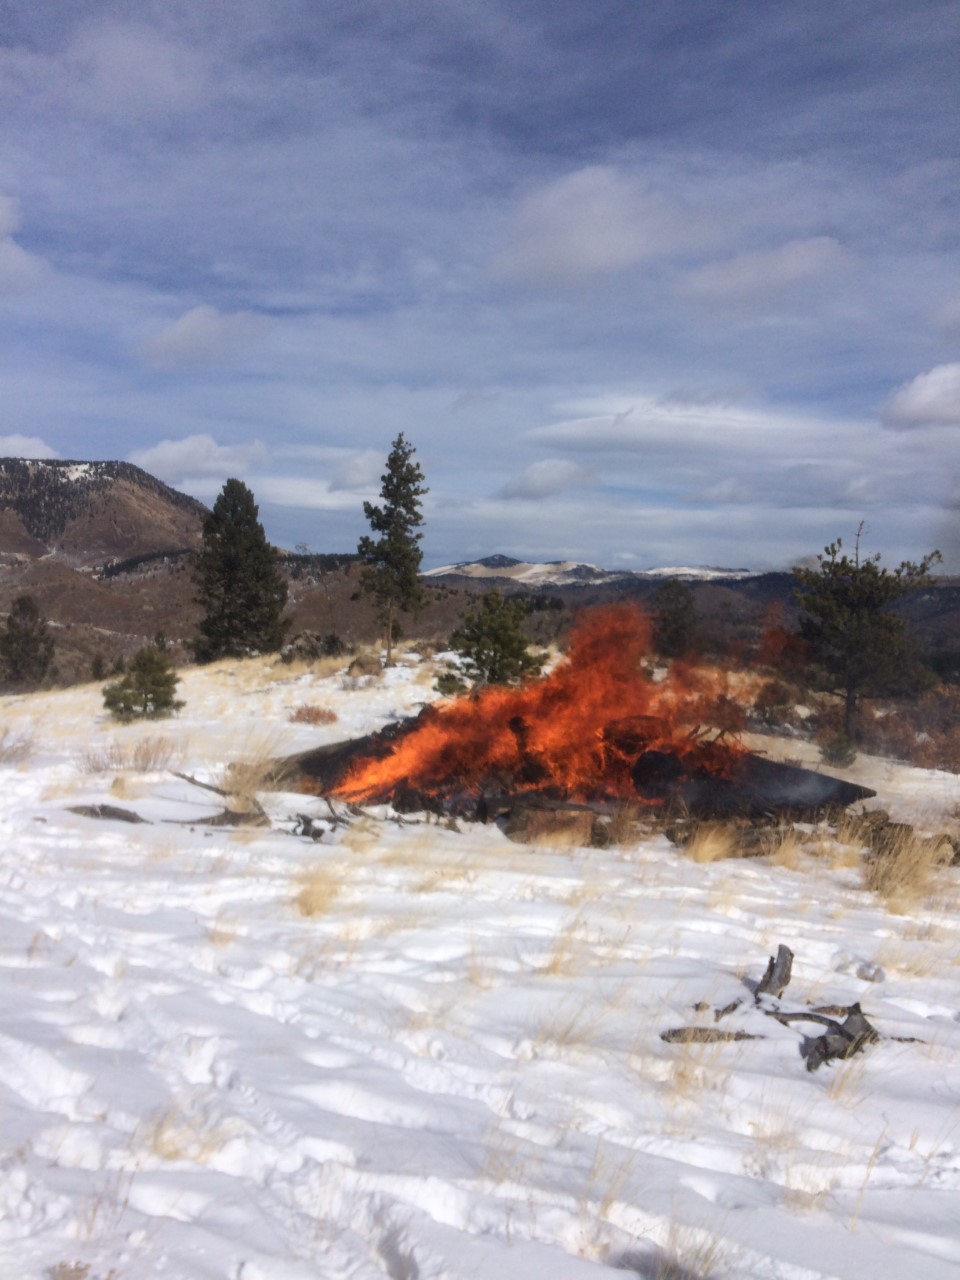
<point x="446" y="1060"/>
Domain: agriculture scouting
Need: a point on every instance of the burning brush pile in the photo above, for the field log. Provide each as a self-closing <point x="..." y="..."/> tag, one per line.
<point x="597" y="732"/>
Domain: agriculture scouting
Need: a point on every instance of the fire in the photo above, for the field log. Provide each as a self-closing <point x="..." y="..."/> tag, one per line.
<point x="576" y="733"/>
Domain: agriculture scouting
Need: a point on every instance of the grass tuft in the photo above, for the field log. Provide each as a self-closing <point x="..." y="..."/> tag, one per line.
<point x="712" y="842"/>
<point x="901" y="868"/>
<point x="319" y="888"/>
<point x="260" y="768"/>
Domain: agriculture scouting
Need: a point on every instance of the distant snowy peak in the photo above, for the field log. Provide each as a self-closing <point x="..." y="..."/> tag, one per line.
<point x="700" y="573"/>
<point x="553" y="572"/>
<point x="570" y="572"/>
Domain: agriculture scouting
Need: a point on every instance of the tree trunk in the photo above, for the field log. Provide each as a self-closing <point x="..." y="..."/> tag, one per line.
<point x="850" y="714"/>
<point x="389" y="636"/>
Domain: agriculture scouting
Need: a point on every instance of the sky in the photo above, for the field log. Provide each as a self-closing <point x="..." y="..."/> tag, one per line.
<point x="643" y="284"/>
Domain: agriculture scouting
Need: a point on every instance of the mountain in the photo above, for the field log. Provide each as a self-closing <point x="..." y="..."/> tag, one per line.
<point x="89" y="513"/>
<point x="563" y="573"/>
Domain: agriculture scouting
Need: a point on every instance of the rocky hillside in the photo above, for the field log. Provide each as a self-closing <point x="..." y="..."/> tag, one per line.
<point x="89" y="513"/>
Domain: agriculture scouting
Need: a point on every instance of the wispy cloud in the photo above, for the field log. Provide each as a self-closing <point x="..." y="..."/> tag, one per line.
<point x="201" y="336"/>
<point x="546" y="479"/>
<point x="761" y="274"/>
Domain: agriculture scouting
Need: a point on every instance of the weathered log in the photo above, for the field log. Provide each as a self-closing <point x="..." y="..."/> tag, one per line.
<point x="704" y="1035"/>
<point x="777" y="976"/>
<point x="110" y="812"/>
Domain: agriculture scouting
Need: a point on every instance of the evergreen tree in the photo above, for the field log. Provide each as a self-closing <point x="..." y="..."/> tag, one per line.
<point x="492" y="642"/>
<point x="238" y="580"/>
<point x="855" y="645"/>
<point x="148" y="689"/>
<point x="26" y="646"/>
<point x="391" y="562"/>
<point x="674" y="620"/>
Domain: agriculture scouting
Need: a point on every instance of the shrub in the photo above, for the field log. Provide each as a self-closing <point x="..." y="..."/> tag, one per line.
<point x="837" y="750"/>
<point x="147" y="690"/>
<point x="312" y="715"/>
<point x="449" y="683"/>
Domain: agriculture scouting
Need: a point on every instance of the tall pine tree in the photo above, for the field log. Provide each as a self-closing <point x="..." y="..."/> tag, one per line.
<point x="391" y="562"/>
<point x="26" y="646"/>
<point x="238" y="581"/>
<point x="856" y="646"/>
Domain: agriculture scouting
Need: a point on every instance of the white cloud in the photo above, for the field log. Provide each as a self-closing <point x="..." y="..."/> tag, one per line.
<point x="762" y="273"/>
<point x="930" y="399"/>
<point x="583" y="227"/>
<point x="545" y="479"/>
<point x="358" y="472"/>
<point x="17" y="446"/>
<point x="198" y="456"/>
<point x="201" y="336"/>
<point x="306" y="492"/>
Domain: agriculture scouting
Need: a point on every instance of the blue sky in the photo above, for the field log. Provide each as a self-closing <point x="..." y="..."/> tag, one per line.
<point x="643" y="283"/>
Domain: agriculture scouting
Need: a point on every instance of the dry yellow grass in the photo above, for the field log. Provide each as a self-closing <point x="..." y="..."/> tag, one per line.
<point x="712" y="842"/>
<point x="786" y="848"/>
<point x="319" y="889"/>
<point x="902" y="870"/>
<point x="261" y="767"/>
<point x="177" y="1135"/>
<point x="625" y="824"/>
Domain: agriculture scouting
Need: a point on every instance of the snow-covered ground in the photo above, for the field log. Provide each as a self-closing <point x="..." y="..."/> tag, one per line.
<point x="418" y="1052"/>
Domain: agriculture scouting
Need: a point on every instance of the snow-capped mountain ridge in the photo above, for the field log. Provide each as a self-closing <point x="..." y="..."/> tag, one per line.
<point x="572" y="572"/>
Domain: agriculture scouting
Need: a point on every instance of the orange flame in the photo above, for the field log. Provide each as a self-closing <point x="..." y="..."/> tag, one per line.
<point x="577" y="731"/>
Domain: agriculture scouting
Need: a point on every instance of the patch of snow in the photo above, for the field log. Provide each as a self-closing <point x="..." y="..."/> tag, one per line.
<point x="452" y="1065"/>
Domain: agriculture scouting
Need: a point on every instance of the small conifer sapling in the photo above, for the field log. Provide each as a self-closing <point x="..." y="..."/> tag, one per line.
<point x="147" y="690"/>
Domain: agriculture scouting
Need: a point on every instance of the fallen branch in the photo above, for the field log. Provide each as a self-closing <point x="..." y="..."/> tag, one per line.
<point x="840" y="1040"/>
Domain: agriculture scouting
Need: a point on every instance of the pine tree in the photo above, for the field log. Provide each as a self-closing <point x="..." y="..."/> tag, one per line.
<point x="26" y="646"/>
<point x="148" y="689"/>
<point x="238" y="581"/>
<point x="391" y="563"/>
<point x="856" y="646"/>
<point x="492" y="642"/>
<point x="674" y="620"/>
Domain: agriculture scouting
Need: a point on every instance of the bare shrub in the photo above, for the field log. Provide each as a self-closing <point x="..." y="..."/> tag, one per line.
<point x="307" y="714"/>
<point x="149" y="754"/>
